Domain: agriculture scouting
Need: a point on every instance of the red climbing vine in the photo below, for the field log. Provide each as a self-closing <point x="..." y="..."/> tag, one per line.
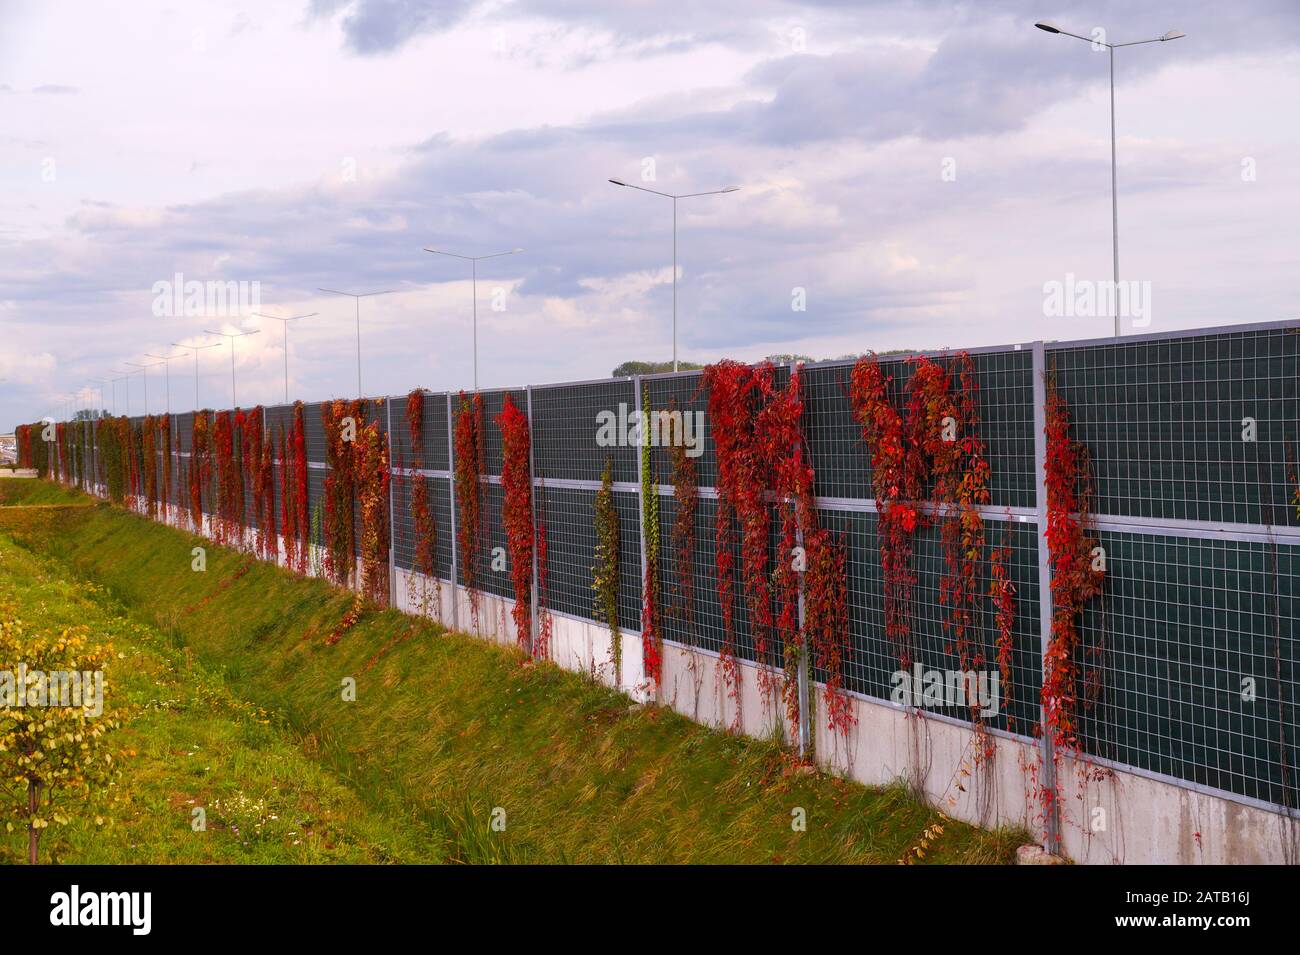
<point x="733" y="392"/>
<point x="882" y="430"/>
<point x="342" y="422"/>
<point x="200" y="466"/>
<point x="225" y="521"/>
<point x="298" y="486"/>
<point x="426" y="530"/>
<point x="1003" y="594"/>
<point x="149" y="451"/>
<point x="517" y="512"/>
<point x="468" y="441"/>
<point x="961" y="485"/>
<point x="761" y="452"/>
<point x="1075" y="577"/>
<point x="372" y="476"/>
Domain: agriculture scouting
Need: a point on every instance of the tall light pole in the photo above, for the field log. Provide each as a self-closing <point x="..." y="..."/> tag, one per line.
<point x="234" y="402"/>
<point x="144" y="371"/>
<point x="358" y="296"/>
<point x="114" y="383"/>
<point x="126" y="376"/>
<point x="674" y="198"/>
<point x="474" y="261"/>
<point x="285" y="322"/>
<point x="102" y="408"/>
<point x="196" y="349"/>
<point x="1114" y="194"/>
<point x="167" y="374"/>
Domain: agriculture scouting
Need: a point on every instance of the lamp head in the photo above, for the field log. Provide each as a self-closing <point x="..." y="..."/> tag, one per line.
<point x="1048" y="27"/>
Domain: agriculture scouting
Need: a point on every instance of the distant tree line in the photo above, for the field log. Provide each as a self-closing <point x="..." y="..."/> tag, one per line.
<point x="629" y="368"/>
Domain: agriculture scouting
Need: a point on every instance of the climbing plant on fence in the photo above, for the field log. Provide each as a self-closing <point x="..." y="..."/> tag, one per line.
<point x="517" y="512"/>
<point x="762" y="455"/>
<point x="372" y="476"/>
<point x="149" y="452"/>
<point x="200" y="466"/>
<point x="604" y="575"/>
<point x="468" y="440"/>
<point x="651" y="642"/>
<point x="686" y="495"/>
<point x="1077" y="572"/>
<point x="342" y="422"/>
<point x="426" y="529"/>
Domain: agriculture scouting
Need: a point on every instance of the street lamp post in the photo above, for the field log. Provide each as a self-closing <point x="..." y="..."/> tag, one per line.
<point x="285" y="322"/>
<point x="358" y="296"/>
<point x="196" y="349"/>
<point x="474" y="261"/>
<point x="102" y="409"/>
<point x="234" y="402"/>
<point x="167" y="374"/>
<point x="144" y="371"/>
<point x="126" y="376"/>
<point x="1114" y="194"/>
<point x="674" y="198"/>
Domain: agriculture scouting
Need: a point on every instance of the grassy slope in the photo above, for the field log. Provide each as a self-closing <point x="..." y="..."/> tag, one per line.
<point x="33" y="491"/>
<point x="446" y="727"/>
<point x="187" y="741"/>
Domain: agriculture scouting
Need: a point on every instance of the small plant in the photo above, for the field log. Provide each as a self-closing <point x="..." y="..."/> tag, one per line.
<point x="51" y="756"/>
<point x="651" y="644"/>
<point x="686" y="495"/>
<point x="604" y="576"/>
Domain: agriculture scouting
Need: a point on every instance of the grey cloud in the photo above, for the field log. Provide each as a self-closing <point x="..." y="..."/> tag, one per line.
<point x="381" y="26"/>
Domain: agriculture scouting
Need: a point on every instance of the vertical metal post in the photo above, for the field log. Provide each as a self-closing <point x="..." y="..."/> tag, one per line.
<point x="533" y="629"/>
<point x="1048" y="749"/>
<point x="642" y="423"/>
<point x="392" y="507"/>
<point x="451" y="484"/>
<point x="805" y="718"/>
<point x="674" y="283"/>
<point x="474" y="288"/>
<point x="1114" y="193"/>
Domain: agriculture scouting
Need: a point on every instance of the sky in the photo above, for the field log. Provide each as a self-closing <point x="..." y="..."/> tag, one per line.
<point x="912" y="175"/>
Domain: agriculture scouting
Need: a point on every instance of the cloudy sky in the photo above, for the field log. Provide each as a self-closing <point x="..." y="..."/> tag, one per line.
<point x="918" y="169"/>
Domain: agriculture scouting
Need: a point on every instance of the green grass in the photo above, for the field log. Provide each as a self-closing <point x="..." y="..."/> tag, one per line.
<point x="444" y="730"/>
<point x="33" y="491"/>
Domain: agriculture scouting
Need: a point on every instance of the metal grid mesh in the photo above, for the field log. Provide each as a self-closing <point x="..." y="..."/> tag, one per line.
<point x="564" y="431"/>
<point x="872" y="659"/>
<point x="1005" y="383"/>
<point x="439" y="501"/>
<point x="682" y="393"/>
<point x="571" y="553"/>
<point x="1163" y="423"/>
<point x="1181" y="625"/>
<point x="433" y="432"/>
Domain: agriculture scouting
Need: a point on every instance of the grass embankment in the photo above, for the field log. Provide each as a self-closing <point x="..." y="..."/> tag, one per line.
<point x="33" y="492"/>
<point x="445" y="729"/>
